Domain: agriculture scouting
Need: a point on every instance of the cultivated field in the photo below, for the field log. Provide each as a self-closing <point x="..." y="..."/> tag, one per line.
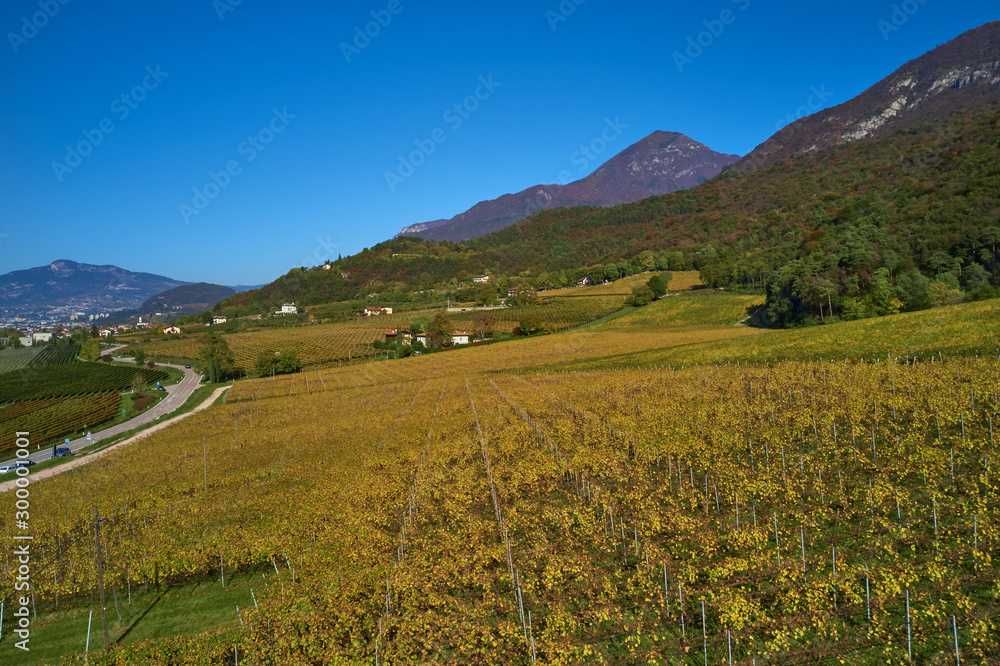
<point x="443" y="508"/>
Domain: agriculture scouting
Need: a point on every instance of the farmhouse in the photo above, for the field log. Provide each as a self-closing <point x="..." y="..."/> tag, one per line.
<point x="585" y="282"/>
<point x="105" y="332"/>
<point x="287" y="308"/>
<point x="172" y="330"/>
<point x="218" y="320"/>
<point x="375" y="311"/>
<point x="481" y="279"/>
<point x="460" y="338"/>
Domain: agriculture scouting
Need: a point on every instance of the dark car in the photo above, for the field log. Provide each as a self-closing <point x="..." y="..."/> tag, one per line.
<point x="25" y="463"/>
<point x="61" y="452"/>
<point x="188" y="366"/>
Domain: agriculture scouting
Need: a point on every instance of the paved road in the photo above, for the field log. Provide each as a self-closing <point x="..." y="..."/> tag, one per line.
<point x="73" y="463"/>
<point x="177" y="395"/>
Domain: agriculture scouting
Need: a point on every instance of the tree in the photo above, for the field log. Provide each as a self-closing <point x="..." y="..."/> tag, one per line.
<point x="138" y="381"/>
<point x="139" y="356"/>
<point x="439" y="330"/>
<point x="264" y="365"/>
<point x="525" y="294"/>
<point x="215" y="358"/>
<point x="611" y="272"/>
<point x="483" y="323"/>
<point x="942" y="293"/>
<point x="530" y="324"/>
<point x="91" y="350"/>
<point x="485" y="293"/>
<point x="287" y="362"/>
<point x="641" y="295"/>
<point x="658" y="286"/>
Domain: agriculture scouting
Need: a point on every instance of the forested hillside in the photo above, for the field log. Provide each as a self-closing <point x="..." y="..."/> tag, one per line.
<point x="901" y="222"/>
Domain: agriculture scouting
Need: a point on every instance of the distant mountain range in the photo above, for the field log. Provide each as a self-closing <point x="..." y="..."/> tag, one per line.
<point x="954" y="76"/>
<point x="662" y="162"/>
<point x="65" y="287"/>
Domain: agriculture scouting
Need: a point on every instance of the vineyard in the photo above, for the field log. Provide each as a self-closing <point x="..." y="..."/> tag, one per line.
<point x="74" y="379"/>
<point x="319" y="344"/>
<point x="52" y="418"/>
<point x="37" y="357"/>
<point x="434" y="509"/>
<point x="711" y="308"/>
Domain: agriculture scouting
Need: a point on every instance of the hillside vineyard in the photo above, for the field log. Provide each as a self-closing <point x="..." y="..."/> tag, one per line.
<point x="431" y="510"/>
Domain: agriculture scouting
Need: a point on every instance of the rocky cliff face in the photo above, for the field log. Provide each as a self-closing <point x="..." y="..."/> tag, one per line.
<point x="662" y="162"/>
<point x="954" y="76"/>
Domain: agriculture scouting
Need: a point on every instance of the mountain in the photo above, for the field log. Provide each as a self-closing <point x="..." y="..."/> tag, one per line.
<point x="64" y="287"/>
<point x="663" y="162"/>
<point x="957" y="75"/>
<point x="849" y="230"/>
<point x="196" y="297"/>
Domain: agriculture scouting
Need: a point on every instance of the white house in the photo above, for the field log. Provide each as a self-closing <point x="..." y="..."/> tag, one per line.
<point x="374" y="312"/>
<point x="218" y="320"/>
<point x="172" y="330"/>
<point x="41" y="337"/>
<point x="481" y="279"/>
<point x="288" y="308"/>
<point x="585" y="282"/>
<point x="460" y="338"/>
<point x="105" y="332"/>
<point x="26" y="340"/>
<point x="422" y="338"/>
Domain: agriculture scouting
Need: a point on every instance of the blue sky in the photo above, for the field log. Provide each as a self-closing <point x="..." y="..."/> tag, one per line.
<point x="246" y="139"/>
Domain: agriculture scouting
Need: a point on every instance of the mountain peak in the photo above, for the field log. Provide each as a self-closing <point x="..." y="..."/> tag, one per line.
<point x="954" y="76"/>
<point x="660" y="163"/>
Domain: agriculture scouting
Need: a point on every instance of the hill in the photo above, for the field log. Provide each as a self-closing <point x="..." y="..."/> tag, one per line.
<point x="957" y="75"/>
<point x="189" y="297"/>
<point x="660" y="163"/>
<point x="813" y="232"/>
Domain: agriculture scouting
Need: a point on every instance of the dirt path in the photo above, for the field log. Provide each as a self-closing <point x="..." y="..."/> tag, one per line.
<point x="83" y="460"/>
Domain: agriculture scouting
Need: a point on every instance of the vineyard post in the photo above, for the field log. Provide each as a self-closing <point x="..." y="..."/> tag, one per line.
<point x="909" y="635"/>
<point x="868" y="603"/>
<point x="680" y="606"/>
<point x="954" y="629"/>
<point x="777" y="546"/>
<point x="89" y="623"/>
<point x="802" y="537"/>
<point x="100" y="576"/>
<point x="704" y="633"/>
